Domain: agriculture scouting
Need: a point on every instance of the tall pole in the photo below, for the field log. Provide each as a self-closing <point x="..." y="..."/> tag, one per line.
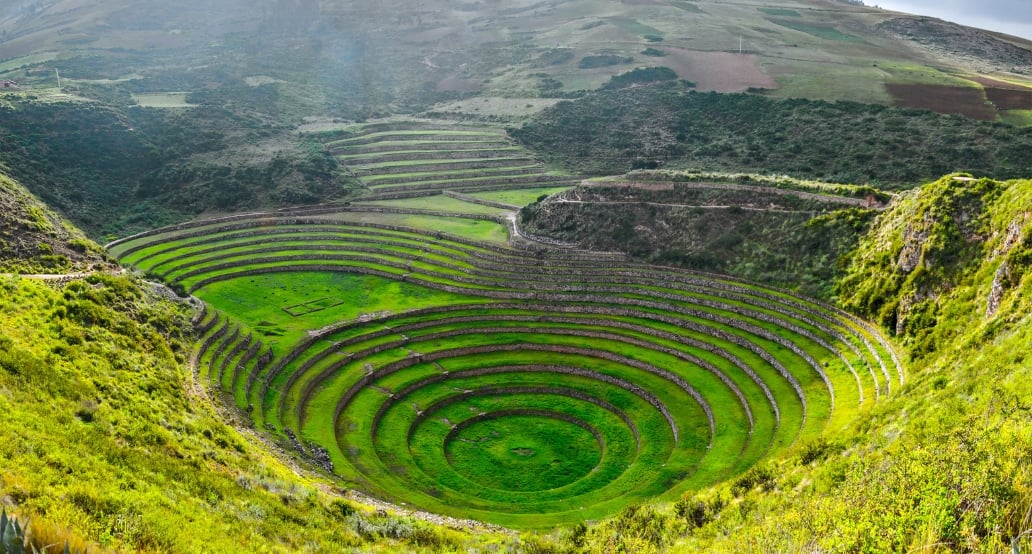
<point x="739" y="44"/>
<point x="58" y="73"/>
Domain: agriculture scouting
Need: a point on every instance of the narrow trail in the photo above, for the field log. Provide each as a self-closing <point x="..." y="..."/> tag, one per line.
<point x="50" y="276"/>
<point x="805" y="195"/>
<point x="699" y="206"/>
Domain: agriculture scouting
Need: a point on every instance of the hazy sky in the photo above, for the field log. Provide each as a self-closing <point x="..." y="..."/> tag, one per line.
<point x="1009" y="16"/>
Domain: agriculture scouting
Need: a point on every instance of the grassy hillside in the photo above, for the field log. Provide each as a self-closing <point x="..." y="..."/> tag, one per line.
<point x="951" y="256"/>
<point x="669" y="126"/>
<point x="33" y="239"/>
<point x="946" y="466"/>
<point x="408" y="348"/>
<point x="403" y="55"/>
<point x="110" y="442"/>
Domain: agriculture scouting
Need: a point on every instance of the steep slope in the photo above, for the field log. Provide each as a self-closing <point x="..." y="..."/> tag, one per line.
<point x="745" y="225"/>
<point x="33" y="239"/>
<point x="947" y="465"/>
<point x="950" y="257"/>
<point x="669" y="126"/>
<point x="110" y="444"/>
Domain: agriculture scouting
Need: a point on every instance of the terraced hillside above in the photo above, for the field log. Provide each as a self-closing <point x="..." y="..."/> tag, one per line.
<point x="524" y="387"/>
<point x="397" y="160"/>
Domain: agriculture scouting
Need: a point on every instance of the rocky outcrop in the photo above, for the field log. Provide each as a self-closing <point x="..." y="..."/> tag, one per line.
<point x="1004" y="277"/>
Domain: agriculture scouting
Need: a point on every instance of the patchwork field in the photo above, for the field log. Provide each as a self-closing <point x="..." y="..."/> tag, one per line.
<point x="523" y="385"/>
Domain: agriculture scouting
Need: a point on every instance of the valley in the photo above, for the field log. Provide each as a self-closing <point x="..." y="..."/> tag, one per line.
<point x="561" y="276"/>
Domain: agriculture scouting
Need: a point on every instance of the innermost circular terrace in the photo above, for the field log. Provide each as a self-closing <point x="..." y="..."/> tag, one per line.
<point x="524" y="450"/>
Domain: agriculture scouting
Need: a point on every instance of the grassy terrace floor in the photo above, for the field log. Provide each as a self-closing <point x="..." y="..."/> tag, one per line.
<point x="529" y="388"/>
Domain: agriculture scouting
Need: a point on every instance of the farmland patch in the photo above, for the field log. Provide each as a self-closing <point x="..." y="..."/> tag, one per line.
<point x="968" y="101"/>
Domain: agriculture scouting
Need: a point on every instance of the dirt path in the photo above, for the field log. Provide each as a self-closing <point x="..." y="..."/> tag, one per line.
<point x="820" y="197"/>
<point x="704" y="207"/>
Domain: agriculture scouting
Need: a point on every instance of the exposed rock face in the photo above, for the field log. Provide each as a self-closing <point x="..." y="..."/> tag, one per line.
<point x="1000" y="284"/>
<point x="1003" y="278"/>
<point x="910" y="255"/>
<point x="1013" y="235"/>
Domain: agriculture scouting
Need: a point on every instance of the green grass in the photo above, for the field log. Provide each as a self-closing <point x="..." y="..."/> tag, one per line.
<point x="415" y="132"/>
<point x="826" y="32"/>
<point x="442" y="163"/>
<point x="487" y="231"/>
<point x="780" y="12"/>
<point x="140" y="437"/>
<point x="259" y="301"/>
<point x="438" y="202"/>
<point x="524" y="453"/>
<point x="1020" y="118"/>
<point x="518" y="197"/>
<point x="163" y="100"/>
<point x="445" y="175"/>
<point x="635" y="27"/>
<point x="407" y="149"/>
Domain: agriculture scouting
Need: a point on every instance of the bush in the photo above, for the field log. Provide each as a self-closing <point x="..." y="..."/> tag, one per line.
<point x="759" y="476"/>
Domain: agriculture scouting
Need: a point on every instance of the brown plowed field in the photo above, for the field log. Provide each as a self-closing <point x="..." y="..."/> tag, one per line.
<point x="1010" y="99"/>
<point x="967" y="101"/>
<point x="717" y="71"/>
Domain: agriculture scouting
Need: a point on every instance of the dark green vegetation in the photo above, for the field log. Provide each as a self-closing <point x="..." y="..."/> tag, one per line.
<point x="33" y="239"/>
<point x="839" y="142"/>
<point x="641" y="76"/>
<point x="111" y="169"/>
<point x="525" y="387"/>
<point x="762" y="229"/>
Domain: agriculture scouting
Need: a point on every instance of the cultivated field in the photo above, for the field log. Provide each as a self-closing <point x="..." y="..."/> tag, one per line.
<point x="524" y="385"/>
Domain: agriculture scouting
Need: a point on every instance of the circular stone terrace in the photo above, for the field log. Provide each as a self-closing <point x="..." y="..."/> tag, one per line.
<point x="529" y="388"/>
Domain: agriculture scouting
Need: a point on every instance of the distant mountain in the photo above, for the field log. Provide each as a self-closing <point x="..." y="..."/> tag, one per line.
<point x="347" y="58"/>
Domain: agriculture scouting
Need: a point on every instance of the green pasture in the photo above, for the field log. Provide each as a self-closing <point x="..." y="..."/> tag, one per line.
<point x="445" y="174"/>
<point x="259" y="301"/>
<point x="827" y="32"/>
<point x="162" y="100"/>
<point x="518" y="197"/>
<point x="1020" y="118"/>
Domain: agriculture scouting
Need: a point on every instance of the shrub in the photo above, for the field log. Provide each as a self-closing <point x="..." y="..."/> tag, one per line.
<point x="759" y="476"/>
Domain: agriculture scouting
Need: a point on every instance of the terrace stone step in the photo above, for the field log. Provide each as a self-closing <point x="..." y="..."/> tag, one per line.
<point x="440" y="165"/>
<point x="418" y="155"/>
<point x="443" y="177"/>
<point x="390" y="136"/>
<point x="426" y="144"/>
